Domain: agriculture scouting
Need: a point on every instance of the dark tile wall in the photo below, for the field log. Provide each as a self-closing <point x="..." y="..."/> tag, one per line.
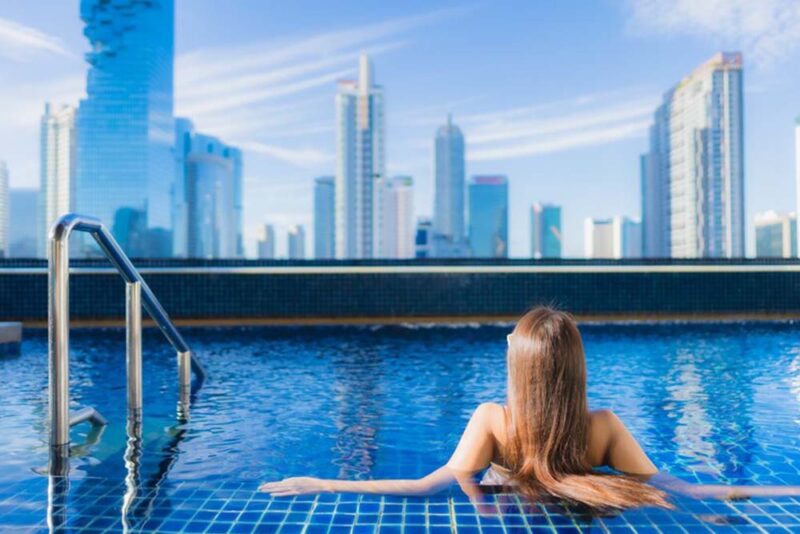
<point x="771" y="289"/>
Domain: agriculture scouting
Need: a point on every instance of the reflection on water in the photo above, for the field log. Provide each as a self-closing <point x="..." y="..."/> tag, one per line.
<point x="708" y="402"/>
<point x="693" y="430"/>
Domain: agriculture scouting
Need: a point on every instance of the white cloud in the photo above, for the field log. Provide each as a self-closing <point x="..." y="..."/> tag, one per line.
<point x="503" y="130"/>
<point x="18" y="42"/>
<point x="250" y="93"/>
<point x="767" y="31"/>
<point x="556" y="126"/>
<point x="301" y="157"/>
<point x="575" y="139"/>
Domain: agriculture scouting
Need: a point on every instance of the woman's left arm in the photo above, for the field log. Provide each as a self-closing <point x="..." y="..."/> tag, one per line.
<point x="474" y="452"/>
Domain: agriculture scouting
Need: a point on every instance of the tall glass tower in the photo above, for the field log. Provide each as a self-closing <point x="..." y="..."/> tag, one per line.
<point x="488" y="216"/>
<point x="545" y="231"/>
<point x="207" y="215"/>
<point x="693" y="176"/>
<point x="324" y="220"/>
<point x="448" y="218"/>
<point x="359" y="164"/>
<point x="126" y="168"/>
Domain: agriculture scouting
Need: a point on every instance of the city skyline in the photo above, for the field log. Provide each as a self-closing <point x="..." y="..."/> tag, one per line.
<point x="608" y="170"/>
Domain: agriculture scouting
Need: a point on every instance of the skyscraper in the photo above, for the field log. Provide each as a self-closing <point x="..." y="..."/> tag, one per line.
<point x="207" y="211"/>
<point x="57" y="167"/>
<point x="266" y="245"/>
<point x="448" y="211"/>
<point x="397" y="240"/>
<point x="797" y="169"/>
<point x="23" y="221"/>
<point x="125" y="125"/>
<point x="296" y="243"/>
<point x="4" y="210"/>
<point x="598" y="238"/>
<point x="359" y="164"/>
<point x="488" y="216"/>
<point x="693" y="176"/>
<point x="776" y="235"/>
<point x="545" y="231"/>
<point x="654" y="169"/>
<point x="324" y="219"/>
<point x="423" y="238"/>
<point x="615" y="238"/>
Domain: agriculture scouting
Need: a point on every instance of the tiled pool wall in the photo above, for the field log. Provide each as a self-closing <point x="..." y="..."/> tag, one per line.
<point x="371" y="290"/>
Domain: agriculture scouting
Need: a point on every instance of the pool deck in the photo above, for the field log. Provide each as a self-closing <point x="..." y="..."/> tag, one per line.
<point x="433" y="320"/>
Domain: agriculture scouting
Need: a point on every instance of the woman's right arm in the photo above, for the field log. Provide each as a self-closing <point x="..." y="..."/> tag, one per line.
<point x="624" y="454"/>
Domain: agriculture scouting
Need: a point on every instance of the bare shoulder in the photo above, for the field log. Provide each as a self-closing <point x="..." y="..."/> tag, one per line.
<point x="493" y="416"/>
<point x="603" y="425"/>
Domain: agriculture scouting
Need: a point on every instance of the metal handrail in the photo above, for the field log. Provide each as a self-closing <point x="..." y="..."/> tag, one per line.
<point x="138" y="294"/>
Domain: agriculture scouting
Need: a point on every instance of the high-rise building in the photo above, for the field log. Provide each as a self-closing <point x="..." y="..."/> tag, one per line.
<point x="598" y="238"/>
<point x="397" y="240"/>
<point x="615" y="238"/>
<point x="57" y="167"/>
<point x="4" y="210"/>
<point x="797" y="170"/>
<point x="207" y="210"/>
<point x="545" y="231"/>
<point x="23" y="220"/>
<point x="359" y="164"/>
<point x="125" y="125"/>
<point x="266" y="245"/>
<point x="488" y="216"/>
<point x="628" y="238"/>
<point x="423" y="238"/>
<point x="448" y="211"/>
<point x="693" y="175"/>
<point x="654" y="170"/>
<point x="296" y="243"/>
<point x="324" y="219"/>
<point x="776" y="235"/>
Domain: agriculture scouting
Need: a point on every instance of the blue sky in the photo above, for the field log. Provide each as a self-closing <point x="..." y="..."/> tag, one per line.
<point x="557" y="95"/>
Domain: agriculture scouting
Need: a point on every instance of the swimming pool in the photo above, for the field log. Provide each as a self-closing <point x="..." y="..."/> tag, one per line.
<point x="707" y="401"/>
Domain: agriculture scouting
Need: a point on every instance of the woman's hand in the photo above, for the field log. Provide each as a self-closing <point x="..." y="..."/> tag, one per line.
<point x="296" y="486"/>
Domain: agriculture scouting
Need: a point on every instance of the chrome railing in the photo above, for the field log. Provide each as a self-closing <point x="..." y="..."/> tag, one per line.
<point x="138" y="294"/>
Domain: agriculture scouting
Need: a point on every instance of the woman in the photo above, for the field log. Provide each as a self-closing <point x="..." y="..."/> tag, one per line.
<point x="545" y="441"/>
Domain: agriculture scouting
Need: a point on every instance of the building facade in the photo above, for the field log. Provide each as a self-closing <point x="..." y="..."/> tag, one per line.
<point x="397" y="228"/>
<point x="324" y="218"/>
<point x="614" y="238"/>
<point x="693" y="175"/>
<point x="207" y="198"/>
<point x="546" y="237"/>
<point x="57" y="169"/>
<point x="5" y="209"/>
<point x="450" y="188"/>
<point x="654" y="171"/>
<point x="125" y="127"/>
<point x="488" y="216"/>
<point x="776" y="235"/>
<point x="23" y="236"/>
<point x="296" y="243"/>
<point x="423" y="238"/>
<point x="359" y="164"/>
<point x="266" y="245"/>
<point x="797" y="170"/>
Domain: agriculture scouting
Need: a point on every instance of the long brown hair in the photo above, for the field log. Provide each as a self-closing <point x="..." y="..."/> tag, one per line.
<point x="549" y="419"/>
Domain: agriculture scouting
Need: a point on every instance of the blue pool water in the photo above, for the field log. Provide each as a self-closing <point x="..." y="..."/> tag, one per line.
<point x="707" y="402"/>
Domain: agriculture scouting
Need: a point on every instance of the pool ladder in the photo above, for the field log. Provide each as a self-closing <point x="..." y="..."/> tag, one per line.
<point x="137" y="293"/>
